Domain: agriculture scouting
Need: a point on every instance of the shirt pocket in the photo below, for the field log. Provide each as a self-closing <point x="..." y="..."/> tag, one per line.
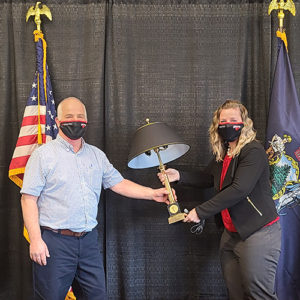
<point x="94" y="177"/>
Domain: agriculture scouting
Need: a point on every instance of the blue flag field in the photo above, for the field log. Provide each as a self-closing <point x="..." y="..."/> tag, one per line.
<point x="283" y="149"/>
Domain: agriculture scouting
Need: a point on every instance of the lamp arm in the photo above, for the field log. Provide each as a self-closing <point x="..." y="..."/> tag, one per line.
<point x="167" y="184"/>
<point x="166" y="181"/>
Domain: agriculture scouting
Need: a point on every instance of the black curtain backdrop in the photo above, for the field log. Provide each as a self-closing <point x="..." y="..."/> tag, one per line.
<point x="171" y="61"/>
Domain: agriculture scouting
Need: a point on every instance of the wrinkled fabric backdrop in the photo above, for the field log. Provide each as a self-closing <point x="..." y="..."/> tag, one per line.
<point x="171" y="61"/>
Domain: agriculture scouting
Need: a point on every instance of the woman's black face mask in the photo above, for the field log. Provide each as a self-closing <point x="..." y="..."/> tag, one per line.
<point x="74" y="130"/>
<point x="230" y="131"/>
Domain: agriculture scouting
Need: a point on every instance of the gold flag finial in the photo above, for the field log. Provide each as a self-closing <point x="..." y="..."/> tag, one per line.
<point x="281" y="6"/>
<point x="37" y="12"/>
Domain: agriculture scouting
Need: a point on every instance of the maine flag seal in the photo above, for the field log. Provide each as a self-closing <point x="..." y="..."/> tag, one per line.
<point x="283" y="150"/>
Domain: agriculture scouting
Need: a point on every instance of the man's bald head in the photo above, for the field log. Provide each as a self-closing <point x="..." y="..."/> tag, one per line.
<point x="71" y="108"/>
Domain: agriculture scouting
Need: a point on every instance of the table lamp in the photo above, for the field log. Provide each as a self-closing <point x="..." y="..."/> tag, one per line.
<point x="155" y="144"/>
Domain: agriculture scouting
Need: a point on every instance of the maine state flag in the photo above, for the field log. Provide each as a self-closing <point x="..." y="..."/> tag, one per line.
<point x="283" y="143"/>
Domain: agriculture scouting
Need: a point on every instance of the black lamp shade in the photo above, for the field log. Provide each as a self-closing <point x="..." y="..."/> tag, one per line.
<point x="152" y="136"/>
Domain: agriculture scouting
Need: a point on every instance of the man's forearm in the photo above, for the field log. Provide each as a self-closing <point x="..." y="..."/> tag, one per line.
<point x="31" y="216"/>
<point x="133" y="190"/>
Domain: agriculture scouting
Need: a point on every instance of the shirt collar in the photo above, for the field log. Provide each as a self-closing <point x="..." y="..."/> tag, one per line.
<point x="68" y="145"/>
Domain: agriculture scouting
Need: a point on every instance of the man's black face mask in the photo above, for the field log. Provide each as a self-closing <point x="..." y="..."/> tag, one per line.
<point x="74" y="130"/>
<point x="230" y="131"/>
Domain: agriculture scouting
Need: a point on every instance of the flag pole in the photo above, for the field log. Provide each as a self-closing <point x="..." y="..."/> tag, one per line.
<point x="36" y="11"/>
<point x="44" y="90"/>
<point x="283" y="139"/>
<point x="281" y="6"/>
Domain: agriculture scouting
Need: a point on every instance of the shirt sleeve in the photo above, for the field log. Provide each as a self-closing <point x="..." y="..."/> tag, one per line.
<point x="111" y="176"/>
<point x="34" y="179"/>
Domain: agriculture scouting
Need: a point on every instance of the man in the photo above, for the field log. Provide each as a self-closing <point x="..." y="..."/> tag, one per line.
<point x="60" y="195"/>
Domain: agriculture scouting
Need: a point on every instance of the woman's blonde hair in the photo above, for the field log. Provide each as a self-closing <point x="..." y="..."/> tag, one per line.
<point x="248" y="133"/>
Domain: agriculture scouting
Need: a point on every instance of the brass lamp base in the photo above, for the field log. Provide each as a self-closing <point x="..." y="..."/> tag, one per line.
<point x="174" y="210"/>
<point x="176" y="218"/>
<point x="175" y="214"/>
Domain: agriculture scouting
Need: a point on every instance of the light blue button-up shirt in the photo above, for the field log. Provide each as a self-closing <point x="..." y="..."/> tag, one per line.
<point x="68" y="184"/>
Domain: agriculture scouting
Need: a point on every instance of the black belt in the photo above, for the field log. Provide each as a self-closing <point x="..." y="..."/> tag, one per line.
<point x="67" y="232"/>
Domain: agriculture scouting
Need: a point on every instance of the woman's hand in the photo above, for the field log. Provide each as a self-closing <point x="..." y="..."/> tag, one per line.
<point x="173" y="175"/>
<point x="192" y="217"/>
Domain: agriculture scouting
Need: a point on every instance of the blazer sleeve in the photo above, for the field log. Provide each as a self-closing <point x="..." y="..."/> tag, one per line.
<point x="250" y="167"/>
<point x="200" y="179"/>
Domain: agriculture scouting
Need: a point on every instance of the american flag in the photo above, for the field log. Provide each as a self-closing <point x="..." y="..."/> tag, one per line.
<point x="38" y="125"/>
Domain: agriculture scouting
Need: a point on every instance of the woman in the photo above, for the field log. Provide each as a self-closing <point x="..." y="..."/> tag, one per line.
<point x="239" y="172"/>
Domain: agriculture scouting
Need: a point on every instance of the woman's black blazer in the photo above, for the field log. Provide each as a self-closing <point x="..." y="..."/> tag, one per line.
<point x="246" y="190"/>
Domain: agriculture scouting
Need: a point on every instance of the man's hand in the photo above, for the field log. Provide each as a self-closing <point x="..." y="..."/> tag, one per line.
<point x="192" y="217"/>
<point x="133" y="190"/>
<point x="161" y="195"/>
<point x="38" y="252"/>
<point x="173" y="175"/>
